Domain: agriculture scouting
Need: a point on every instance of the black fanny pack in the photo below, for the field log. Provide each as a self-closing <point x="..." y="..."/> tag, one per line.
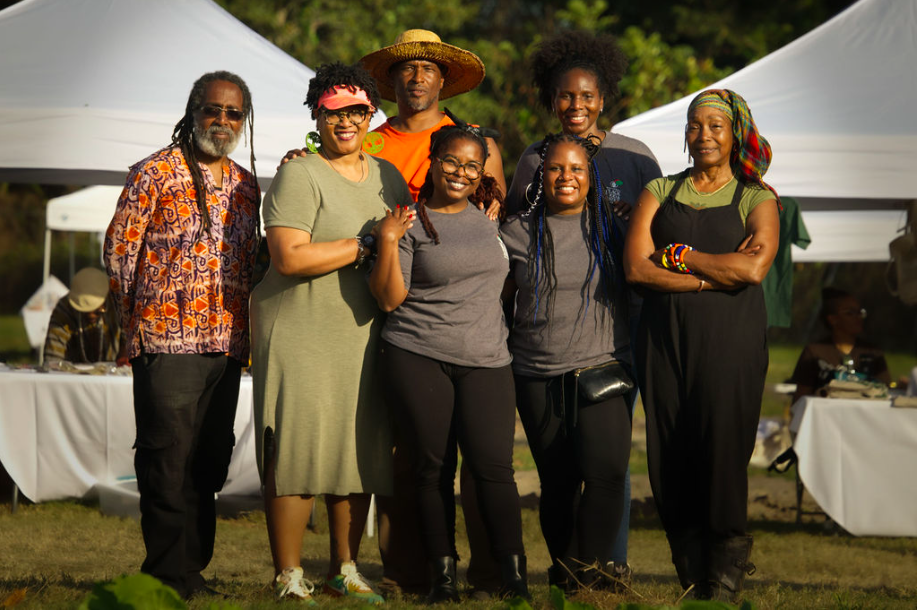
<point x="604" y="381"/>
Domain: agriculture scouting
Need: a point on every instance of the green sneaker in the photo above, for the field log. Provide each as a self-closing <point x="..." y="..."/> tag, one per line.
<point x="291" y="584"/>
<point x="351" y="583"/>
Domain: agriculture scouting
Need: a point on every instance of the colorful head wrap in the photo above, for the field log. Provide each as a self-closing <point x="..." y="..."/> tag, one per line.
<point x="751" y="154"/>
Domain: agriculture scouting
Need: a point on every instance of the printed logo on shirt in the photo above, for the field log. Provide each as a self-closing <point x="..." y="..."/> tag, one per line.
<point x="613" y="191"/>
<point x="373" y="143"/>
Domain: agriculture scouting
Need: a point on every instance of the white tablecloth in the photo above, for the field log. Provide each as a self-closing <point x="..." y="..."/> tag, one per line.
<point x="61" y="434"/>
<point x="857" y="459"/>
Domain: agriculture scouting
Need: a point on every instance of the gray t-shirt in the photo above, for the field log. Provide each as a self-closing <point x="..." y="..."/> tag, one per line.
<point x="453" y="310"/>
<point x="581" y="333"/>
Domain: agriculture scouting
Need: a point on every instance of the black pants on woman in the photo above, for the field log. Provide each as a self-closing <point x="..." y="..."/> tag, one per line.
<point x="590" y="454"/>
<point x="438" y="405"/>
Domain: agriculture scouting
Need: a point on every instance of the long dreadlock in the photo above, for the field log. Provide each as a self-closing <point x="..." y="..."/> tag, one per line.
<point x="183" y="136"/>
<point x="487" y="189"/>
<point x="605" y="238"/>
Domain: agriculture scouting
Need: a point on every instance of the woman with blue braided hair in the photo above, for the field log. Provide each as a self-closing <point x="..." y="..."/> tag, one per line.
<point x="700" y="243"/>
<point x="571" y="315"/>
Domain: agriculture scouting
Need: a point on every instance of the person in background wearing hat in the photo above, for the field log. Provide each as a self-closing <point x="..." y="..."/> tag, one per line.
<point x="84" y="324"/>
<point x="180" y="254"/>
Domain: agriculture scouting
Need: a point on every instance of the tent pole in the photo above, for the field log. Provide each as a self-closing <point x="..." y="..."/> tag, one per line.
<point x="45" y="274"/>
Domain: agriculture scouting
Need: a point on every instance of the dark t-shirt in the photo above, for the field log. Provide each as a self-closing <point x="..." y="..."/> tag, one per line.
<point x="819" y="361"/>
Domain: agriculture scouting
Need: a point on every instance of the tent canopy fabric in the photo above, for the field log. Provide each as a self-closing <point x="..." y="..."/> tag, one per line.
<point x="90" y="209"/>
<point x="838" y="107"/>
<point x="91" y="87"/>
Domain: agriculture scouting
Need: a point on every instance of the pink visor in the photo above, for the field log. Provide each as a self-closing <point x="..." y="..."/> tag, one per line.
<point x="341" y="96"/>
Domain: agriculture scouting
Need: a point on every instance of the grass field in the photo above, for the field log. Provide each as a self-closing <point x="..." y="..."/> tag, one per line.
<point x="51" y="554"/>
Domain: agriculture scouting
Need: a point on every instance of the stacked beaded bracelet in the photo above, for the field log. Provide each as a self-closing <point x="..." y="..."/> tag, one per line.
<point x="673" y="257"/>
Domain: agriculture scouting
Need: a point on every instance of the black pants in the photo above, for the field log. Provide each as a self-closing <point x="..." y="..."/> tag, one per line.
<point x="438" y="405"/>
<point x="184" y="405"/>
<point x="582" y="466"/>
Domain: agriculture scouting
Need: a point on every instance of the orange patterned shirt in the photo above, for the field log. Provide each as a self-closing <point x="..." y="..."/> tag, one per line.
<point x="182" y="291"/>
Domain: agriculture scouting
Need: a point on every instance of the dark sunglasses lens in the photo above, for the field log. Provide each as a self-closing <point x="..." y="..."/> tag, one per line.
<point x="212" y="112"/>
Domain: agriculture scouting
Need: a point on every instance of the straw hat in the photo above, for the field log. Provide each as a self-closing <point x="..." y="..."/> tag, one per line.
<point x="464" y="69"/>
<point x="89" y="290"/>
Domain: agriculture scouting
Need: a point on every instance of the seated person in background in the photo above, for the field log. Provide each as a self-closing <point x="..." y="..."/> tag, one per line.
<point x="843" y="316"/>
<point x="84" y="325"/>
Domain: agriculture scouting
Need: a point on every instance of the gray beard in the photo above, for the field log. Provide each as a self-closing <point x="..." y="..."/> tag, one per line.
<point x="205" y="141"/>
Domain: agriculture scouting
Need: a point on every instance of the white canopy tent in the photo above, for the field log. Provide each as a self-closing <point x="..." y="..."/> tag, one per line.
<point x="91" y="86"/>
<point x="838" y="106"/>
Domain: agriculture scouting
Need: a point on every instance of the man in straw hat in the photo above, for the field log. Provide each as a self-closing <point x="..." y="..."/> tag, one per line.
<point x="416" y="73"/>
<point x="84" y="324"/>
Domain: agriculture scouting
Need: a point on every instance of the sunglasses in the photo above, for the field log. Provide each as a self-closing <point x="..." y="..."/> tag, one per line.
<point x="212" y="112"/>
<point x="356" y="116"/>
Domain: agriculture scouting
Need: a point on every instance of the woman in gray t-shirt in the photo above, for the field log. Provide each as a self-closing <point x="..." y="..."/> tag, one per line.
<point x="445" y="360"/>
<point x="571" y="312"/>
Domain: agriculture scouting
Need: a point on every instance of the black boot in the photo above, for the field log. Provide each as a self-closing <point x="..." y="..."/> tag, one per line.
<point x="559" y="576"/>
<point x="444" y="586"/>
<point x="690" y="560"/>
<point x="728" y="567"/>
<point x="513" y="576"/>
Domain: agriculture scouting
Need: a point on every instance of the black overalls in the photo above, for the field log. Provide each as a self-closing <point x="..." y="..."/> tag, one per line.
<point x="702" y="359"/>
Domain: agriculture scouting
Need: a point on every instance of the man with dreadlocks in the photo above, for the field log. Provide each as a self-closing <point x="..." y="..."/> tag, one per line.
<point x="180" y="253"/>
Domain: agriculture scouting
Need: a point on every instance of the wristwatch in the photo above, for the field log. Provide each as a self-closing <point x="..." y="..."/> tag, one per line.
<point x="366" y="247"/>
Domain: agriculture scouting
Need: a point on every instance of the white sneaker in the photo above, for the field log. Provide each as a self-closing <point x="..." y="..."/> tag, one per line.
<point x="291" y="584"/>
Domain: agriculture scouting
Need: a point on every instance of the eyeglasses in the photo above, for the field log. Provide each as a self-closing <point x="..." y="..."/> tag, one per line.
<point x="472" y="169"/>
<point x="355" y="116"/>
<point x="212" y="112"/>
<point x="859" y="313"/>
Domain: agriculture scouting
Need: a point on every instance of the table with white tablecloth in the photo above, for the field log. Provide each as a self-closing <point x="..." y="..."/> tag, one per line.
<point x="62" y="434"/>
<point x="857" y="460"/>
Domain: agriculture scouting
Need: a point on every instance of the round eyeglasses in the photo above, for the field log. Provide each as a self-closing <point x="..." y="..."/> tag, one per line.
<point x="472" y="169"/>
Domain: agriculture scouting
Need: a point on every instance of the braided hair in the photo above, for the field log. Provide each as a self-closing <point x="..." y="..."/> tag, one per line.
<point x="183" y="134"/>
<point x="598" y="54"/>
<point x="487" y="190"/>
<point x="604" y="235"/>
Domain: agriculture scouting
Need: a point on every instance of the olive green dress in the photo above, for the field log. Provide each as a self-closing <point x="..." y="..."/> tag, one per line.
<point x="314" y="339"/>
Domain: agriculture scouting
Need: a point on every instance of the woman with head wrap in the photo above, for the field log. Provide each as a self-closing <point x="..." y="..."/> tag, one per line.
<point x="700" y="243"/>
